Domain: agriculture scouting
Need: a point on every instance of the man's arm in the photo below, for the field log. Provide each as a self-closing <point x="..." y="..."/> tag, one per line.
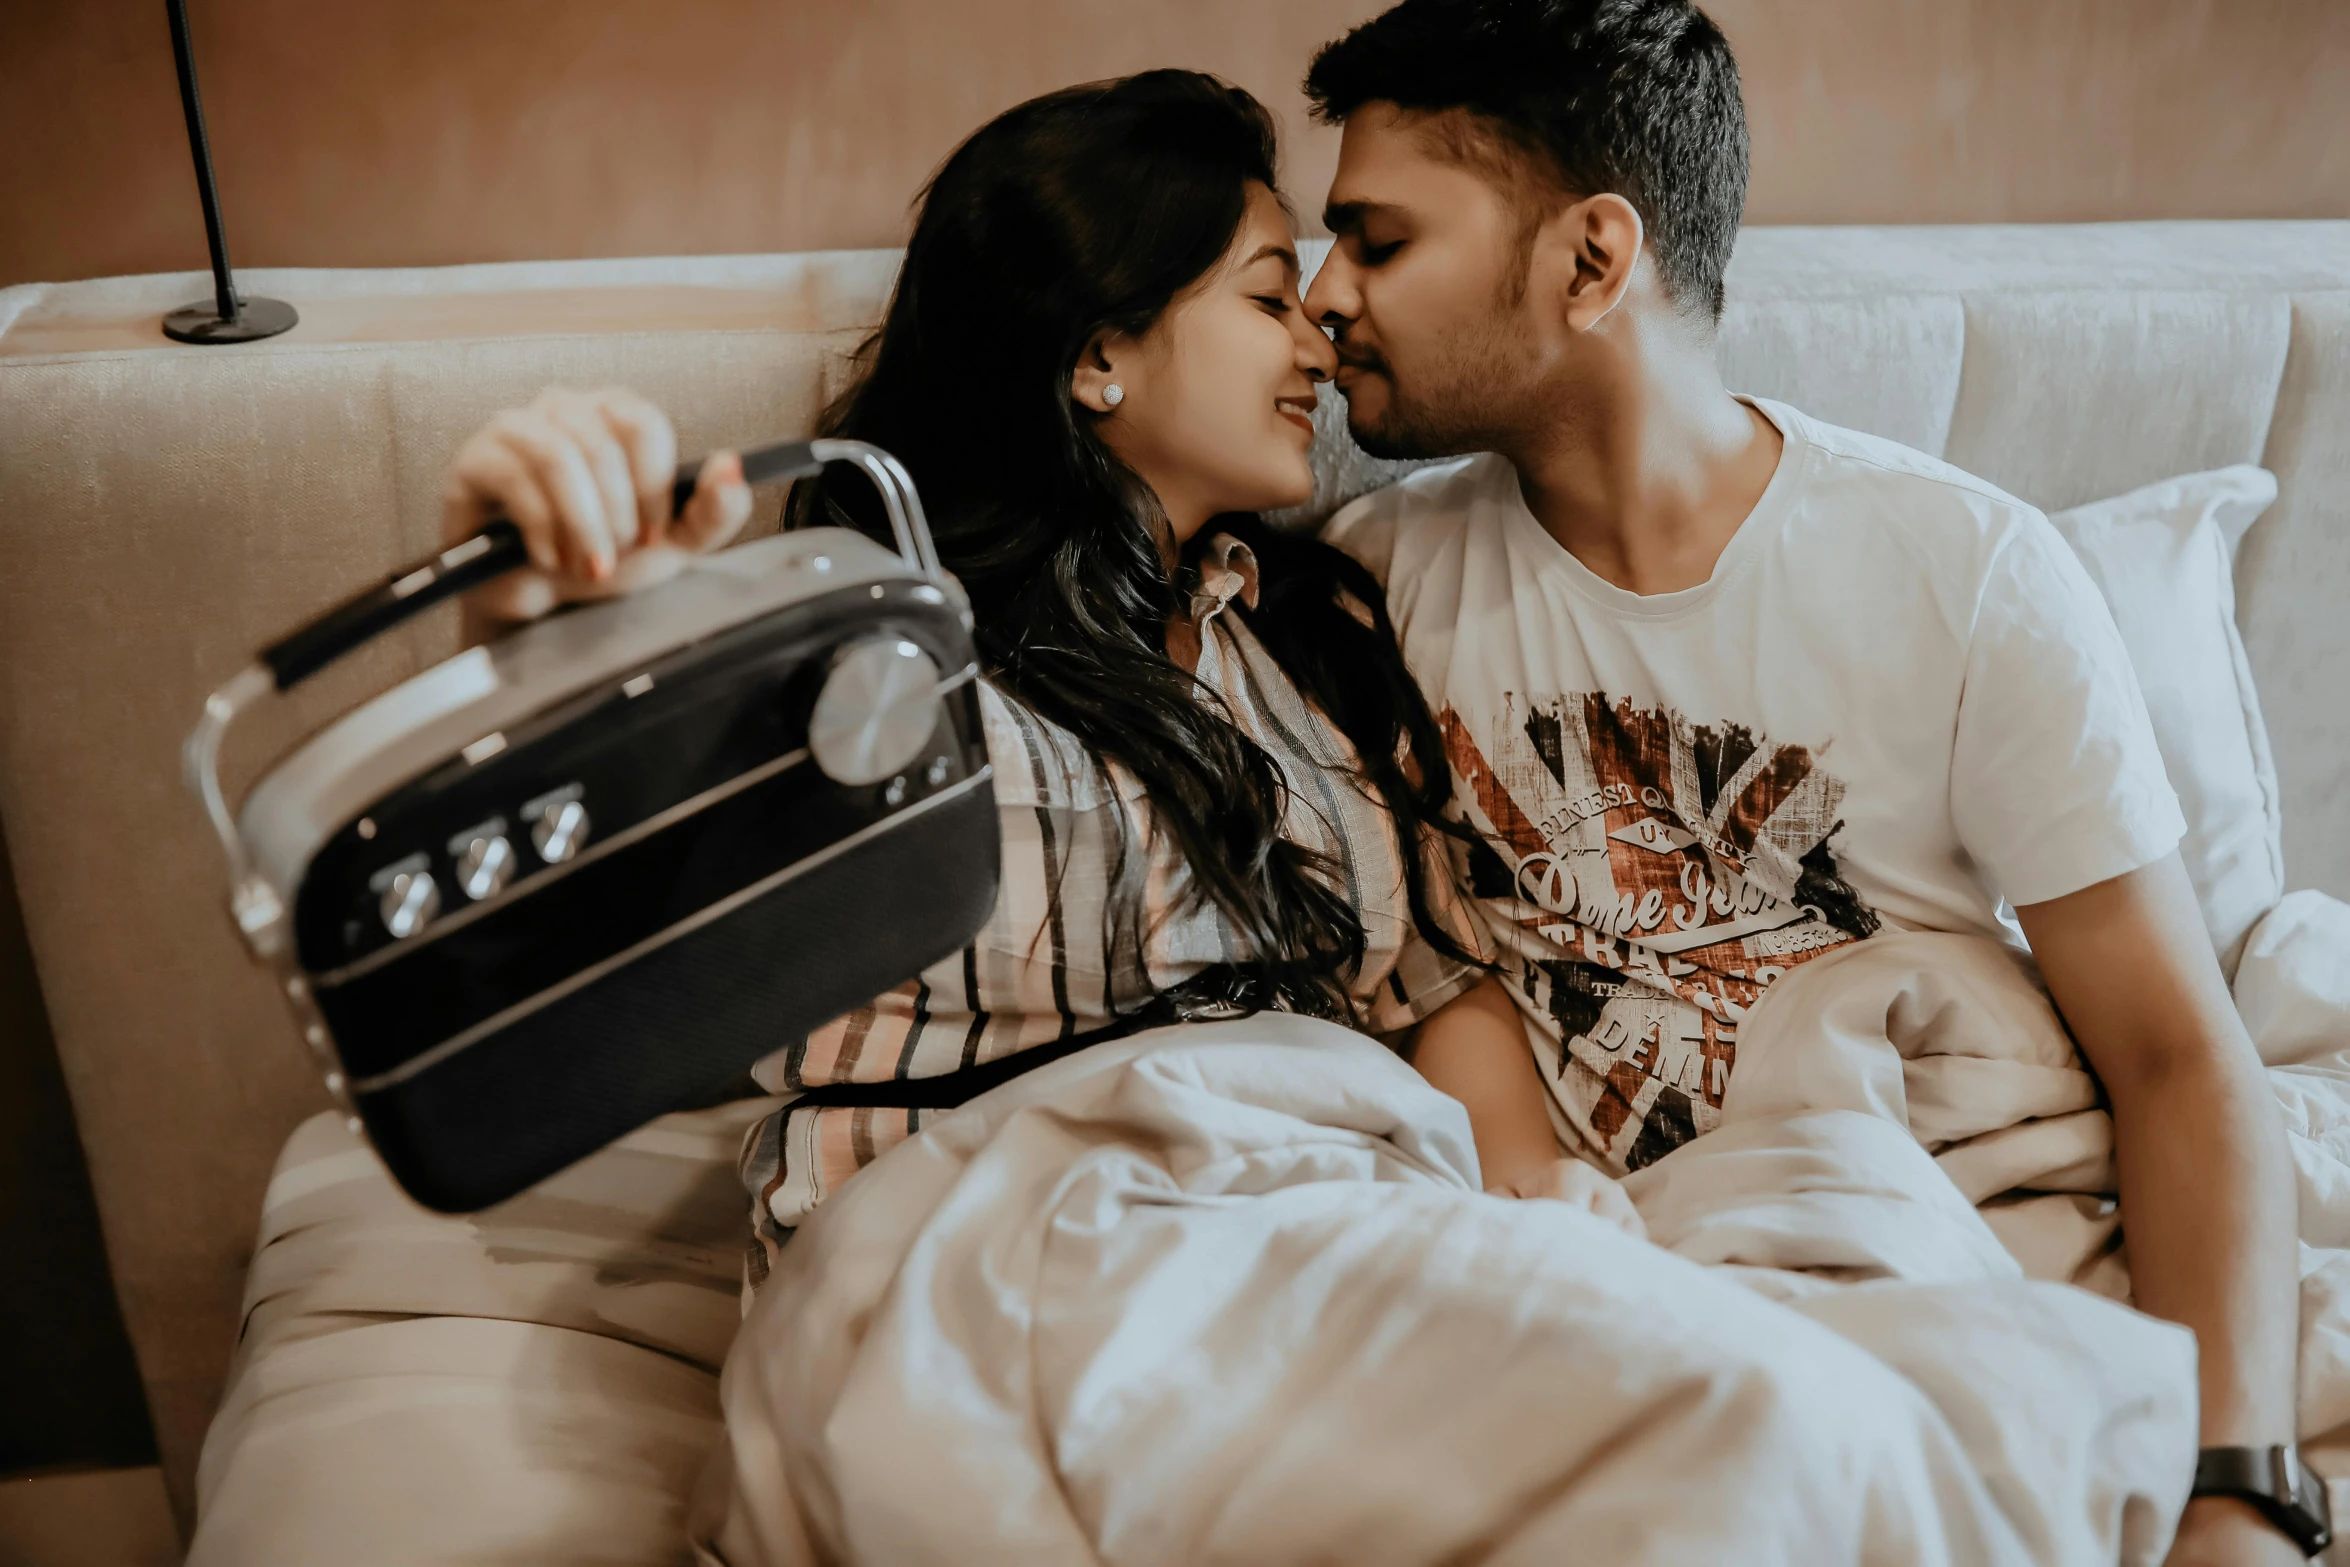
<point x="2207" y="1190"/>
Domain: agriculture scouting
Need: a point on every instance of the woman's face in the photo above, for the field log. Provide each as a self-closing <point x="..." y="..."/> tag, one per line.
<point x="1218" y="396"/>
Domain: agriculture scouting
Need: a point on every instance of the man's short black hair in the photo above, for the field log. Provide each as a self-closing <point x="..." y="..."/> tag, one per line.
<point x="1638" y="98"/>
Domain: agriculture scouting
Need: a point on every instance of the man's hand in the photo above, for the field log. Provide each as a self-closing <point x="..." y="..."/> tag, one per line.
<point x="2207" y="1193"/>
<point x="586" y="477"/>
<point x="1578" y="1185"/>
<point x="2219" y="1531"/>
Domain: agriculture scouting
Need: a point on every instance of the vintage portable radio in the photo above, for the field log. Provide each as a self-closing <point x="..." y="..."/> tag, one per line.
<point x="561" y="884"/>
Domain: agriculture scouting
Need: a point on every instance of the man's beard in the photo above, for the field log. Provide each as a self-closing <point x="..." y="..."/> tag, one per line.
<point x="1460" y="402"/>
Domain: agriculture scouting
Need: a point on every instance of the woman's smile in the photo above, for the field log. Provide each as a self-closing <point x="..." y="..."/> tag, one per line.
<point x="1298" y="410"/>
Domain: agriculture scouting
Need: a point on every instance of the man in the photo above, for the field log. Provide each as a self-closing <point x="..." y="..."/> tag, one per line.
<point x="1726" y="688"/>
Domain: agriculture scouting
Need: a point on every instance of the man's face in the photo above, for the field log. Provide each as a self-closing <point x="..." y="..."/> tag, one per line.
<point x="1425" y="293"/>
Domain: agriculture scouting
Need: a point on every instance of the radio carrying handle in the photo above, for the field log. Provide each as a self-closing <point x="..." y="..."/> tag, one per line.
<point x="417" y="587"/>
<point x="498" y="549"/>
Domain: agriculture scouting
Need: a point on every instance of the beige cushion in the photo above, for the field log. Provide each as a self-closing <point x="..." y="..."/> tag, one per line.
<point x="1885" y="363"/>
<point x="2069" y="396"/>
<point x="537" y="1383"/>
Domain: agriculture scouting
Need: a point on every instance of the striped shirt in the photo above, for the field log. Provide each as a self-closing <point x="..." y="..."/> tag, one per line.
<point x="1064" y="952"/>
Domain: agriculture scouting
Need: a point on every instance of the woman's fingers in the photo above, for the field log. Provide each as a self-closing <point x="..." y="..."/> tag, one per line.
<point x="587" y="479"/>
<point x="582" y="418"/>
<point x="650" y="442"/>
<point x="1578" y="1185"/>
<point x="720" y="505"/>
<point x="583" y="538"/>
<point x="490" y="479"/>
<point x="1611" y="1204"/>
<point x="1605" y="1199"/>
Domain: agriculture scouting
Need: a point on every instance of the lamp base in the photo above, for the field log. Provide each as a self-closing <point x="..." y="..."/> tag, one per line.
<point x="202" y="323"/>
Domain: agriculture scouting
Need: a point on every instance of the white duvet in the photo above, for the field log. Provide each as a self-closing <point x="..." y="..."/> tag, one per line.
<point x="1231" y="1293"/>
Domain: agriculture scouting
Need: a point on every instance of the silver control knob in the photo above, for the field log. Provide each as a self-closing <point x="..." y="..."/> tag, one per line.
<point x="559" y="831"/>
<point x="410" y="900"/>
<point x="485" y="863"/>
<point x="877" y="711"/>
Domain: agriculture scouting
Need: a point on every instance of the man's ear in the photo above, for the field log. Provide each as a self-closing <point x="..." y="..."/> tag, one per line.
<point x="1097" y="370"/>
<point x="1602" y="236"/>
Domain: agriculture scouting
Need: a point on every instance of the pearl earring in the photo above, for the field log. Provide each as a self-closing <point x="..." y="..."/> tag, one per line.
<point x="1113" y="394"/>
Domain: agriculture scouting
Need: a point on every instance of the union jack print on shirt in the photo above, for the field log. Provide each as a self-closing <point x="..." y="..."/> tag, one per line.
<point x="1647" y="878"/>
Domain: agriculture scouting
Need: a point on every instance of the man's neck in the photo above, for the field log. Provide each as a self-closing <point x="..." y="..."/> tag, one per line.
<point x="1651" y="466"/>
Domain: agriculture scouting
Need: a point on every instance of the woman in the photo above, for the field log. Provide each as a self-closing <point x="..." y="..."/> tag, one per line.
<point x="1218" y="783"/>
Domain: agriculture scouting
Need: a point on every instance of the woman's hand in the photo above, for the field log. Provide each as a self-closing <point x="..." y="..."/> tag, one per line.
<point x="1577" y="1184"/>
<point x="586" y="477"/>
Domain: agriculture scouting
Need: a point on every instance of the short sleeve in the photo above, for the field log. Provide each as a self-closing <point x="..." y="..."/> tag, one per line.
<point x="2056" y="783"/>
<point x="1423" y="977"/>
<point x="1422" y="980"/>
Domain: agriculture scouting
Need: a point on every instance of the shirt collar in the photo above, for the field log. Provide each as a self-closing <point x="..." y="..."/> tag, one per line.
<point x="1227" y="571"/>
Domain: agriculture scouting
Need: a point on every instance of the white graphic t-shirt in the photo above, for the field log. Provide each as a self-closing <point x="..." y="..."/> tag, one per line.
<point x="1898" y="702"/>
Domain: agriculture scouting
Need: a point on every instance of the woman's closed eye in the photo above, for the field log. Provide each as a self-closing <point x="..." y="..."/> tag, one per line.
<point x="1276" y="303"/>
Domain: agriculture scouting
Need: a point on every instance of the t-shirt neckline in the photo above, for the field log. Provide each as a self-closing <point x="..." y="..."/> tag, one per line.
<point x="1762" y="521"/>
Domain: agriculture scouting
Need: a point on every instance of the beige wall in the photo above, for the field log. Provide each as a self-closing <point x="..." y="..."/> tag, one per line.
<point x="394" y="132"/>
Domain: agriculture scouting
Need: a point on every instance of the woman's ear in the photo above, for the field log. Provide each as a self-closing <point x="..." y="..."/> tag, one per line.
<point x="1602" y="236"/>
<point x="1094" y="383"/>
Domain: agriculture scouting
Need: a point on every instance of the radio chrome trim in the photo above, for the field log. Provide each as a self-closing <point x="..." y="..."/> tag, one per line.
<point x="906" y="520"/>
<point x="425" y="1060"/>
<point x="258" y="910"/>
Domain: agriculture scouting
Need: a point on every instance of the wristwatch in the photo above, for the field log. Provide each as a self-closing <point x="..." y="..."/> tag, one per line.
<point x="2275" y="1480"/>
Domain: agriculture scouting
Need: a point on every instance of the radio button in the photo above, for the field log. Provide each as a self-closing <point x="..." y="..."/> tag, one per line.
<point x="559" y="831"/>
<point x="485" y="861"/>
<point x="876" y="713"/>
<point x="409" y="901"/>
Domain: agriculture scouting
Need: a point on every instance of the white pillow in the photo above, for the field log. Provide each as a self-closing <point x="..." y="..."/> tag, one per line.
<point x="2164" y="558"/>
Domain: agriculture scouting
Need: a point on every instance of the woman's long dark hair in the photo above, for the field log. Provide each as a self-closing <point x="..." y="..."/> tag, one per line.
<point x="1093" y="208"/>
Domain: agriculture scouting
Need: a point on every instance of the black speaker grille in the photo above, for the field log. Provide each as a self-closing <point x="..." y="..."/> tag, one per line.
<point x="682" y="1021"/>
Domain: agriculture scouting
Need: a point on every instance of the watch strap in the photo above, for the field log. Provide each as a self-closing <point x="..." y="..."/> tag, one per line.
<point x="2277" y="1482"/>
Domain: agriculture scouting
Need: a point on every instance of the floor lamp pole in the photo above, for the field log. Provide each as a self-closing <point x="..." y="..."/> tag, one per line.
<point x="229" y="318"/>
